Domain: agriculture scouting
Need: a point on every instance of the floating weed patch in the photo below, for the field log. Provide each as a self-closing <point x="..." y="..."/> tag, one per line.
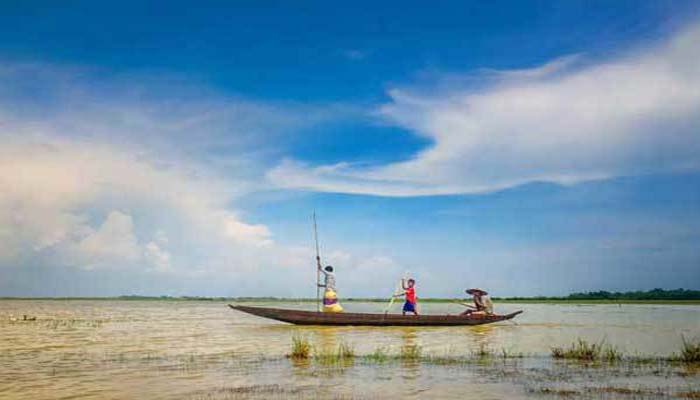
<point x="605" y="391"/>
<point x="557" y="392"/>
<point x="692" y="394"/>
<point x="301" y="348"/>
<point x="585" y="351"/>
<point x="58" y="323"/>
<point x="613" y="390"/>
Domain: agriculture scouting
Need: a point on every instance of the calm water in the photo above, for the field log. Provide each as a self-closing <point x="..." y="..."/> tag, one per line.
<point x="169" y="349"/>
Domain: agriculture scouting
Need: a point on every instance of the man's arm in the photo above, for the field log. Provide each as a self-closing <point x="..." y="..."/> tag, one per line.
<point x="318" y="263"/>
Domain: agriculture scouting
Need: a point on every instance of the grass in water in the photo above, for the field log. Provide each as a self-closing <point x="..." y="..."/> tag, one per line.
<point x="610" y="354"/>
<point x="690" y="352"/>
<point x="506" y="354"/>
<point x="379" y="355"/>
<point x="483" y="352"/>
<point x="346" y="351"/>
<point x="411" y="353"/>
<point x="585" y="351"/>
<point x="301" y="348"/>
<point x="343" y="353"/>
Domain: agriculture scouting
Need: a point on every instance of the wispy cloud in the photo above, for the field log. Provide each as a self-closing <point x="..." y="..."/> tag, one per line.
<point x="355" y="54"/>
<point x="570" y="120"/>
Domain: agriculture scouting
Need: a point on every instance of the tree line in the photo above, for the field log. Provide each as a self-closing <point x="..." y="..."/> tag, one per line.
<point x="654" y="294"/>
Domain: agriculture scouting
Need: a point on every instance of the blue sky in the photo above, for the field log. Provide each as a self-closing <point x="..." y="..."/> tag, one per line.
<point x="526" y="147"/>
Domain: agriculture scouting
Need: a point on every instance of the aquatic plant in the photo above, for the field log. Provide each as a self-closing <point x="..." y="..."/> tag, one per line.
<point x="411" y="352"/>
<point x="505" y="354"/>
<point x="301" y="348"/>
<point x="585" y="351"/>
<point x="325" y="356"/>
<point x="610" y="354"/>
<point x="690" y="352"/>
<point x="379" y="355"/>
<point x="343" y="353"/>
<point x="483" y="352"/>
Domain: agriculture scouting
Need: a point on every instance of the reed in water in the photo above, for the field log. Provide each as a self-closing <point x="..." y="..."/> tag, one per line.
<point x="690" y="352"/>
<point x="301" y="348"/>
<point x="585" y="351"/>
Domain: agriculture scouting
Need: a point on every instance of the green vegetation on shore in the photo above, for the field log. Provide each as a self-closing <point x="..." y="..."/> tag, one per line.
<point x="655" y="296"/>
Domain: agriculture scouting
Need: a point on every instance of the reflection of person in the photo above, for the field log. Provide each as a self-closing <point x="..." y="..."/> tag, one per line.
<point x="410" y="292"/>
<point x="330" y="297"/>
<point x="482" y="303"/>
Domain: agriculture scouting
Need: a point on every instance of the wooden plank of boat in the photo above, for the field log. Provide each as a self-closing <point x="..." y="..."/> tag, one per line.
<point x="301" y="317"/>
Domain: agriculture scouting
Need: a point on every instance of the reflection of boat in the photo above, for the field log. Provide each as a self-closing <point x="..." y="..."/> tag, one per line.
<point x="301" y="317"/>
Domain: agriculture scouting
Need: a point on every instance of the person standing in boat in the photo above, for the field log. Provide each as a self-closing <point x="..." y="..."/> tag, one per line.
<point x="411" y="303"/>
<point x="482" y="303"/>
<point x="330" y="296"/>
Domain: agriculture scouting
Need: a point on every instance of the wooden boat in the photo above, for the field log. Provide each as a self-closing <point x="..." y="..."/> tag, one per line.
<point x="301" y="317"/>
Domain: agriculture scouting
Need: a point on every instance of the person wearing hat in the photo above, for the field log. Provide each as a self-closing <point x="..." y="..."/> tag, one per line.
<point x="482" y="303"/>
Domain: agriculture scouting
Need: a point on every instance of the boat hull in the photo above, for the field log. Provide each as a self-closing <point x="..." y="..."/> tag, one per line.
<point x="300" y="317"/>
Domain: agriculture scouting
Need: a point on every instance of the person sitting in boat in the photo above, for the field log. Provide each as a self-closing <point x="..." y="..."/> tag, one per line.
<point x="411" y="300"/>
<point x="330" y="297"/>
<point x="482" y="303"/>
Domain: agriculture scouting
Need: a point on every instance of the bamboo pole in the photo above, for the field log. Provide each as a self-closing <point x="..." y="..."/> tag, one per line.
<point x="318" y="266"/>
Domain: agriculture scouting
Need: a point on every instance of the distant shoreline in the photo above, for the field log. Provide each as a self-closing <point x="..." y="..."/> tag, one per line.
<point x="521" y="300"/>
<point x="654" y="296"/>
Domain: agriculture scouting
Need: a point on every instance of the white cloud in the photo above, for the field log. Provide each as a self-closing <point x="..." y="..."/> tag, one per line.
<point x="112" y="177"/>
<point x="114" y="239"/>
<point x="51" y="187"/>
<point x="157" y="256"/>
<point x="568" y="121"/>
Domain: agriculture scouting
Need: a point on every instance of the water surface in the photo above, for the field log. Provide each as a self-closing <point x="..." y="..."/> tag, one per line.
<point x="188" y="349"/>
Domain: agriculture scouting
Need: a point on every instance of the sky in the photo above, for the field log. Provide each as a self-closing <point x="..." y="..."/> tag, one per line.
<point x="526" y="147"/>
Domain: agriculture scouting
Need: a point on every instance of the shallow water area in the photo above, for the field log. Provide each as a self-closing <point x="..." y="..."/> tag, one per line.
<point x="202" y="349"/>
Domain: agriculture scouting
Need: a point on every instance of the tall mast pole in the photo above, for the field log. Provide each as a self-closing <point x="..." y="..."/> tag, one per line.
<point x="318" y="266"/>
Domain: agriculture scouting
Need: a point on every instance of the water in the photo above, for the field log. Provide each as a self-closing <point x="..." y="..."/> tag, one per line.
<point x="178" y="349"/>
